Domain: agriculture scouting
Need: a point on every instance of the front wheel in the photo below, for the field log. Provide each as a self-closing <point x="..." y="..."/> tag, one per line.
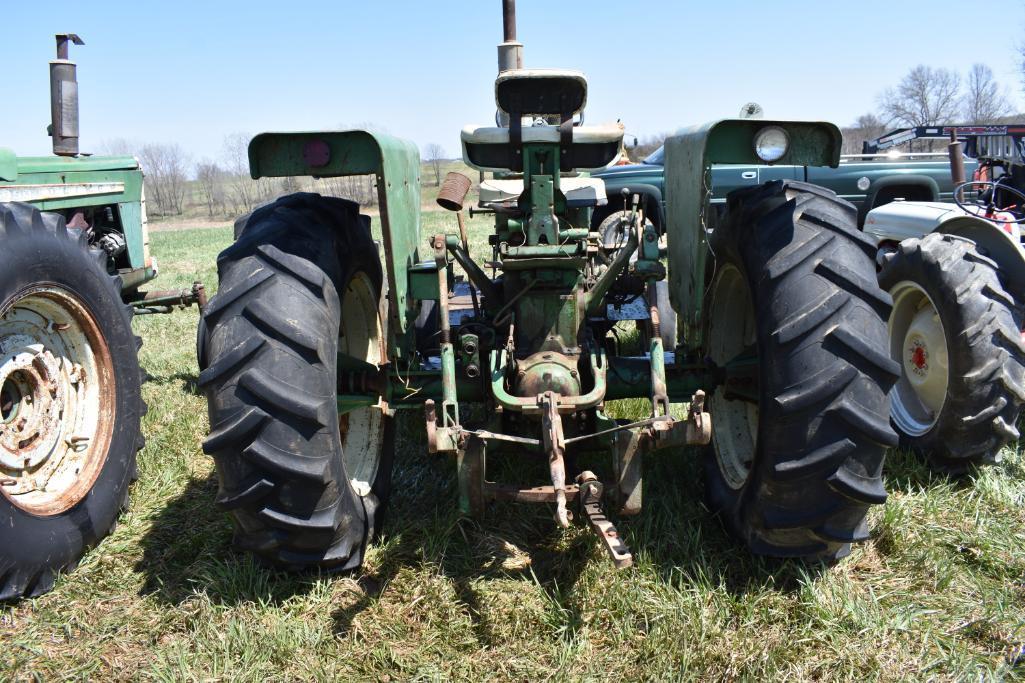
<point x="800" y="428"/>
<point x="956" y="333"/>
<point x="304" y="478"/>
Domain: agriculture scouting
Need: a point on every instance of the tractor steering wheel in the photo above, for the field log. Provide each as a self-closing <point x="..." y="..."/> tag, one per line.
<point x="988" y="204"/>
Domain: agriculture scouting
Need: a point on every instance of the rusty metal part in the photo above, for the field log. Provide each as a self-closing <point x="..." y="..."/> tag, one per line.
<point x="493" y="436"/>
<point x="509" y="20"/>
<point x="431" y="417"/>
<point x="957" y="172"/>
<point x="165" y="301"/>
<point x="591" y="491"/>
<point x="699" y="423"/>
<point x="471" y="476"/>
<point x="696" y="430"/>
<point x="629" y="472"/>
<point x="452" y="194"/>
<point x="58" y="396"/>
<point x="633" y="425"/>
<point x="554" y="445"/>
<point x="536" y="494"/>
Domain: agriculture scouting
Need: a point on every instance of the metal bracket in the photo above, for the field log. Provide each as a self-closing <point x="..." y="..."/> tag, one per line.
<point x="591" y="491"/>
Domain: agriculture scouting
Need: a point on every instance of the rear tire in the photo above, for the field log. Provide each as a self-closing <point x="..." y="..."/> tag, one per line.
<point x="794" y="472"/>
<point x="957" y="334"/>
<point x="305" y="486"/>
<point x="70" y="385"/>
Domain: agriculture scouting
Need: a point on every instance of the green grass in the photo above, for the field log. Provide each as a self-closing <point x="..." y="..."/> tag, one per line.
<point x="937" y="593"/>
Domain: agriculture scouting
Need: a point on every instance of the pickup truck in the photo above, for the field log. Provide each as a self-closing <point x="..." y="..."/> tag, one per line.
<point x="865" y="181"/>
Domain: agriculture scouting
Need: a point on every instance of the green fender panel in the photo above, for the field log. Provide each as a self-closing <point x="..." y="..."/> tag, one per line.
<point x="8" y="165"/>
<point x="688" y="188"/>
<point x="396" y="165"/>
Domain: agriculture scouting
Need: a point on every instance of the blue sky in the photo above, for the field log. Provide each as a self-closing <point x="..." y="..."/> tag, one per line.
<point x="191" y="72"/>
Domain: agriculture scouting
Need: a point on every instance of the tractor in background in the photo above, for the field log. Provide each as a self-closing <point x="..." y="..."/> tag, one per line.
<point x="74" y="241"/>
<point x="957" y="277"/>
<point x="311" y="344"/>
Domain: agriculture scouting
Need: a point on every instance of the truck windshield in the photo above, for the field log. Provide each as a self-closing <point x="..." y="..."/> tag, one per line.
<point x="656" y="158"/>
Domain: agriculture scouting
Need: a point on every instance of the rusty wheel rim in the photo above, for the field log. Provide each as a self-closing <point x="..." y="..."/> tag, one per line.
<point x="57" y="403"/>
<point x="362" y="337"/>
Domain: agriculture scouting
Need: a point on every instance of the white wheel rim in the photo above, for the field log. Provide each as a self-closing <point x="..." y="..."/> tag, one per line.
<point x="918" y="343"/>
<point x="57" y="401"/>
<point x="361" y="335"/>
<point x="731" y="330"/>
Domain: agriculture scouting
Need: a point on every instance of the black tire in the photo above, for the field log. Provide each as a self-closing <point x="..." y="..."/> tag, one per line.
<point x="40" y="539"/>
<point x="791" y="256"/>
<point x="981" y="325"/>
<point x="272" y="335"/>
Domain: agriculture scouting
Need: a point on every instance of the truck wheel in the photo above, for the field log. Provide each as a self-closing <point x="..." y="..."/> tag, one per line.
<point x="70" y="400"/>
<point x="956" y="333"/>
<point x="300" y="292"/>
<point x="794" y="467"/>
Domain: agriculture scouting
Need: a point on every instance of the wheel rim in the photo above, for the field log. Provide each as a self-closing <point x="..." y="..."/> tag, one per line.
<point x="731" y="331"/>
<point x="918" y="343"/>
<point x="57" y="402"/>
<point x="361" y="336"/>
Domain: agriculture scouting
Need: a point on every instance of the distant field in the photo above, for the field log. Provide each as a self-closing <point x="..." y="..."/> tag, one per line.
<point x="937" y="593"/>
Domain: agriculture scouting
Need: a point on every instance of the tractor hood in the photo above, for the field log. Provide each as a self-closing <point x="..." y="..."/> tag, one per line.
<point x="898" y="221"/>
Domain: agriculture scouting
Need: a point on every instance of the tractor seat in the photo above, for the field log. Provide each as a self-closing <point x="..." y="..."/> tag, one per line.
<point x="579" y="191"/>
<point x="489" y="148"/>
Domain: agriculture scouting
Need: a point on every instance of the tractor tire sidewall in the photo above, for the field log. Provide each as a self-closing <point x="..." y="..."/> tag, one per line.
<point x="778" y="236"/>
<point x="36" y="547"/>
<point x="292" y="263"/>
<point x="986" y="358"/>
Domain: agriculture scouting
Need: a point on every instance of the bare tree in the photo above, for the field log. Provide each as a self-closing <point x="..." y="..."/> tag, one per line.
<point x="235" y="153"/>
<point x="649" y="144"/>
<point x="924" y="97"/>
<point x="434" y="154"/>
<point x="866" y="127"/>
<point x="164" y="166"/>
<point x="209" y="177"/>
<point x="118" y="147"/>
<point x="984" y="101"/>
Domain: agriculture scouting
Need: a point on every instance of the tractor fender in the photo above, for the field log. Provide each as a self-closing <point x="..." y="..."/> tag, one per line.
<point x="995" y="243"/>
<point x="8" y="165"/>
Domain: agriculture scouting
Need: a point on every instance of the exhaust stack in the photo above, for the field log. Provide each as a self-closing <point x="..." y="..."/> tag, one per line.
<point x="64" y="98"/>
<point x="510" y="52"/>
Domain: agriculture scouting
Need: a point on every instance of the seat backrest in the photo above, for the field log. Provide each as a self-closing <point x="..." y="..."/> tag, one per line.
<point x="548" y="92"/>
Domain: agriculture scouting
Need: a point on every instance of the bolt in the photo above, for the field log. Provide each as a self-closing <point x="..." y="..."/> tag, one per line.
<point x="572" y="373"/>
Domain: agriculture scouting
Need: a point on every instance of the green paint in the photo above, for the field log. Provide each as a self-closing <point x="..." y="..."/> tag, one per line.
<point x="689" y="157"/>
<point x="396" y="165"/>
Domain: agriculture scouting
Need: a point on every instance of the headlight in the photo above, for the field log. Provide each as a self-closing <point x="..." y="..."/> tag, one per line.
<point x="771" y="144"/>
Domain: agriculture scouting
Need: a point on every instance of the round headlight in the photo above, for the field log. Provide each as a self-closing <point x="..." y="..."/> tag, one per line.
<point x="771" y="144"/>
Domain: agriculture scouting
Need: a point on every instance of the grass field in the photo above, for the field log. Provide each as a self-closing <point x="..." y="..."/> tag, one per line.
<point x="937" y="593"/>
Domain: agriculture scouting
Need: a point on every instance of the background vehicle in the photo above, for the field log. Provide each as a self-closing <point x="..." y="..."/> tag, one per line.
<point x="957" y="277"/>
<point x="867" y="181"/>
<point x="75" y="249"/>
<point x="310" y="344"/>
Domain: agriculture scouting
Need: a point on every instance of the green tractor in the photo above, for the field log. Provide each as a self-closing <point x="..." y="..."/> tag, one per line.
<point x="312" y="343"/>
<point x="73" y="233"/>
